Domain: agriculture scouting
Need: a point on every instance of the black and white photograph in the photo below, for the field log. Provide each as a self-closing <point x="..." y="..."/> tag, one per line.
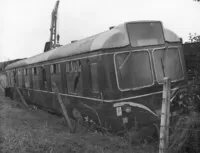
<point x="100" y="76"/>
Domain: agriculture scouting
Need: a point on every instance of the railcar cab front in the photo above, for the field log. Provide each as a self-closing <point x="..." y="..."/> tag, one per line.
<point x="153" y="56"/>
<point x="153" y="53"/>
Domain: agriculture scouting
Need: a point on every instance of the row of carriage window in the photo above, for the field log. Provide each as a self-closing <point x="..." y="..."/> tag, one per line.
<point x="74" y="66"/>
<point x="70" y="68"/>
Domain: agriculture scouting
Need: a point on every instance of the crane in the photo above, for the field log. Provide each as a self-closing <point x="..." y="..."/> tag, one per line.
<point x="54" y="37"/>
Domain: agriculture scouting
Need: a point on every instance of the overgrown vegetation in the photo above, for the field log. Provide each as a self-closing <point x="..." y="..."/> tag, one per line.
<point x="35" y="131"/>
<point x="185" y="134"/>
<point x="194" y="37"/>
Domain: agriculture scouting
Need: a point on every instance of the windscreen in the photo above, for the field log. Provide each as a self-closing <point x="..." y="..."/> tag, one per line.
<point x="145" y="33"/>
<point x="167" y="64"/>
<point x="133" y="69"/>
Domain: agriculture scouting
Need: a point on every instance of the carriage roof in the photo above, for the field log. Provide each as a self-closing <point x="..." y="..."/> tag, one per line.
<point x="113" y="38"/>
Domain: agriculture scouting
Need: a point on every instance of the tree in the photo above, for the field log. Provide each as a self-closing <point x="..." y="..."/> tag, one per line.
<point x="194" y="37"/>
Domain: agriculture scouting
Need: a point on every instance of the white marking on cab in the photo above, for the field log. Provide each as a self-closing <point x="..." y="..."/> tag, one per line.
<point x="133" y="104"/>
<point x="119" y="111"/>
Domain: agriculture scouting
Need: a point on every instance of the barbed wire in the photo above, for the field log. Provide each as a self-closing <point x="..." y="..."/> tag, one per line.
<point x="189" y="129"/>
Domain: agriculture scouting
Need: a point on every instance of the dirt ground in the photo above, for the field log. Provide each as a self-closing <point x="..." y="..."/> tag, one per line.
<point x="24" y="130"/>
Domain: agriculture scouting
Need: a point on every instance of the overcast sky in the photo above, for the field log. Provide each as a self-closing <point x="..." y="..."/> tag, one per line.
<point x="24" y="26"/>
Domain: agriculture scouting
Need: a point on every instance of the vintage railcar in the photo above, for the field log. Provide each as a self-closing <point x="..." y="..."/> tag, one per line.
<point x="113" y="78"/>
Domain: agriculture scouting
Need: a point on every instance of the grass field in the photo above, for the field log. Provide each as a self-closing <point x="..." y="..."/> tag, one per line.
<point x="35" y="131"/>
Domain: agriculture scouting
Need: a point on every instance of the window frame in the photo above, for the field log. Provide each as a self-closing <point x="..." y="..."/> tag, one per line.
<point x="162" y="30"/>
<point x="67" y="67"/>
<point x="25" y="71"/>
<point x="151" y="66"/>
<point x="181" y="62"/>
<point x="73" y="66"/>
<point x="55" y="68"/>
<point x="18" y="72"/>
<point x="34" y="71"/>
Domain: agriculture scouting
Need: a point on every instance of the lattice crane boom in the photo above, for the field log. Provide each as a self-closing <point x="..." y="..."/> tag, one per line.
<point x="54" y="37"/>
<point x="53" y="28"/>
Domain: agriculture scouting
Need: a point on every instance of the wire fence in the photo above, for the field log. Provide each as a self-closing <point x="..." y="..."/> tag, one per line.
<point x="185" y="130"/>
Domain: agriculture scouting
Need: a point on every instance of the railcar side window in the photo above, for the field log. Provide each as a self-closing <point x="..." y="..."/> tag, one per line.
<point x="79" y="66"/>
<point x="55" y="68"/>
<point x="14" y="77"/>
<point x="8" y="78"/>
<point x="11" y="79"/>
<point x="73" y="66"/>
<point x="73" y="76"/>
<point x="34" y="71"/>
<point x="58" y="68"/>
<point x="20" y="77"/>
<point x="25" y="72"/>
<point x="94" y="76"/>
<point x="67" y="67"/>
<point x="18" y="72"/>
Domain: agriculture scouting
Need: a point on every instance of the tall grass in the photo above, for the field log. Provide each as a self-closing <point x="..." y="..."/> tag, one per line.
<point x="35" y="131"/>
<point x="186" y="134"/>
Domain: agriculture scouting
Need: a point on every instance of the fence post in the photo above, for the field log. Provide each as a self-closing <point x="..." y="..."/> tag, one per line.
<point x="165" y="115"/>
<point x="21" y="97"/>
<point x="64" y="110"/>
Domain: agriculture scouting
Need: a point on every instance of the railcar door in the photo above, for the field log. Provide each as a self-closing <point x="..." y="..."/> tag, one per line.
<point x="86" y="78"/>
<point x="94" y="77"/>
<point x="94" y="80"/>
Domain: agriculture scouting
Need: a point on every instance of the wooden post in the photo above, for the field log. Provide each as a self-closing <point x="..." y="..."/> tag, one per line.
<point x="64" y="110"/>
<point x="21" y="97"/>
<point x="165" y="114"/>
